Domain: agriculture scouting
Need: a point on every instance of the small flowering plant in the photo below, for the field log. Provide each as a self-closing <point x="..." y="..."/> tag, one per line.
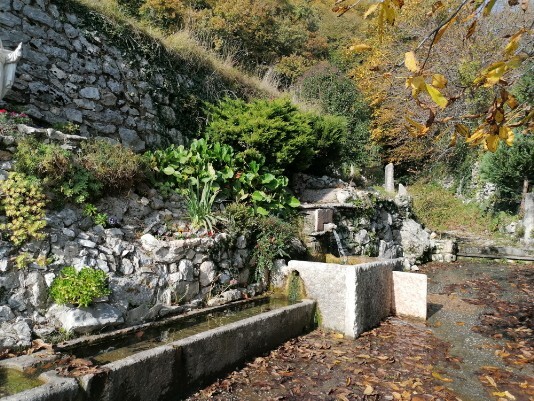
<point x="9" y="121"/>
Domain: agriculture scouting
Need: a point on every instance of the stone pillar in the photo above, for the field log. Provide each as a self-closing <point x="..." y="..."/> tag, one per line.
<point x="389" y="184"/>
<point x="528" y="218"/>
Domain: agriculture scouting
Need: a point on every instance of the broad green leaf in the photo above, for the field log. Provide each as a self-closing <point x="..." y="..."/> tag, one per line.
<point x="258" y="196"/>
<point x="267" y="178"/>
<point x="293" y="202"/>
<point x="169" y="170"/>
<point x="262" y="211"/>
<point x="437" y="96"/>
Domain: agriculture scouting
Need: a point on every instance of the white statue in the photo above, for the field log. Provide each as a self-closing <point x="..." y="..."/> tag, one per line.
<point x="8" y="64"/>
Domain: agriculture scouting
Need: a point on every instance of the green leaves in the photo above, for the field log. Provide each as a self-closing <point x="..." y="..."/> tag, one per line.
<point x="79" y="288"/>
<point x="240" y="177"/>
<point x="23" y="201"/>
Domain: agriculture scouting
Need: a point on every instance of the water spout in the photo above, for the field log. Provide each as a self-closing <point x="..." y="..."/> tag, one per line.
<point x="340" y="248"/>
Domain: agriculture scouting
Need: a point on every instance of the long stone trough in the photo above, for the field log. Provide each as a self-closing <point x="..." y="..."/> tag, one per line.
<point x="171" y="371"/>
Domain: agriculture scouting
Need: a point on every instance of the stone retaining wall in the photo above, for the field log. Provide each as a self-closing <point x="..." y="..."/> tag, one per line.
<point x="150" y="274"/>
<point x="78" y="66"/>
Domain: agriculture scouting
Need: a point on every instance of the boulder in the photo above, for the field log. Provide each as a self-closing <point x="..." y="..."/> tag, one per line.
<point x="415" y="241"/>
<point x="6" y="313"/>
<point x="85" y="320"/>
<point x="208" y="273"/>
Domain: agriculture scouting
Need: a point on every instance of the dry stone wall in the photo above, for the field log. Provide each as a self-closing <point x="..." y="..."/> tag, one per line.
<point x="78" y="66"/>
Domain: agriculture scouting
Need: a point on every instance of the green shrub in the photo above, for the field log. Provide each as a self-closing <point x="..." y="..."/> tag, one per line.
<point x="439" y="209"/>
<point x="80" y="177"/>
<point x="240" y="177"/>
<point x="99" y="218"/>
<point x="273" y="241"/>
<point x="9" y="121"/>
<point x="336" y="94"/>
<point x="289" y="139"/>
<point x="68" y="128"/>
<point x="508" y="167"/>
<point x="79" y="186"/>
<point x="263" y="31"/>
<point x="165" y="14"/>
<point x="239" y="220"/>
<point x="24" y="203"/>
<point x="115" y="166"/>
<point x="79" y="288"/>
<point x="270" y="236"/>
<point x="47" y="161"/>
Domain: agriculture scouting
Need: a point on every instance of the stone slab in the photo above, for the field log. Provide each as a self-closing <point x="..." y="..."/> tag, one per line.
<point x="409" y="294"/>
<point x="322" y="217"/>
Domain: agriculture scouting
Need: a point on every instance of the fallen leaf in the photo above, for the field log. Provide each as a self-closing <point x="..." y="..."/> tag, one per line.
<point x="436" y="375"/>
<point x="368" y="390"/>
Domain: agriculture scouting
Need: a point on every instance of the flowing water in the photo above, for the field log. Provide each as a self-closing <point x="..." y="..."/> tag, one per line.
<point x="115" y="348"/>
<point x="12" y="382"/>
<point x="340" y="248"/>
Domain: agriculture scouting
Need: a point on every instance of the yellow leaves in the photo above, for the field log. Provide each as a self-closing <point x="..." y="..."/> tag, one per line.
<point x="493" y="74"/>
<point x="462" y="130"/>
<point x="418" y="85"/>
<point x="507" y="135"/>
<point x="471" y="29"/>
<point x="359" y="48"/>
<point x="368" y="390"/>
<point x="492" y="141"/>
<point x="437" y="96"/>
<point x="411" y="62"/>
<point x="386" y="12"/>
<point x="436" y="6"/>
<point x="442" y="30"/>
<point x="490" y="381"/>
<point x="512" y="102"/>
<point x="436" y="375"/>
<point x="370" y="10"/>
<point x="439" y="81"/>
<point x="419" y="128"/>
<point x="504" y="394"/>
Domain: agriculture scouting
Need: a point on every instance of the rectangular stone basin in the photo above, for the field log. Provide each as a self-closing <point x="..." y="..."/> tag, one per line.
<point x="352" y="299"/>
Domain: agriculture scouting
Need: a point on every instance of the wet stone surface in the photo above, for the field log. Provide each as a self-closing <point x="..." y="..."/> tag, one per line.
<point x="476" y="345"/>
